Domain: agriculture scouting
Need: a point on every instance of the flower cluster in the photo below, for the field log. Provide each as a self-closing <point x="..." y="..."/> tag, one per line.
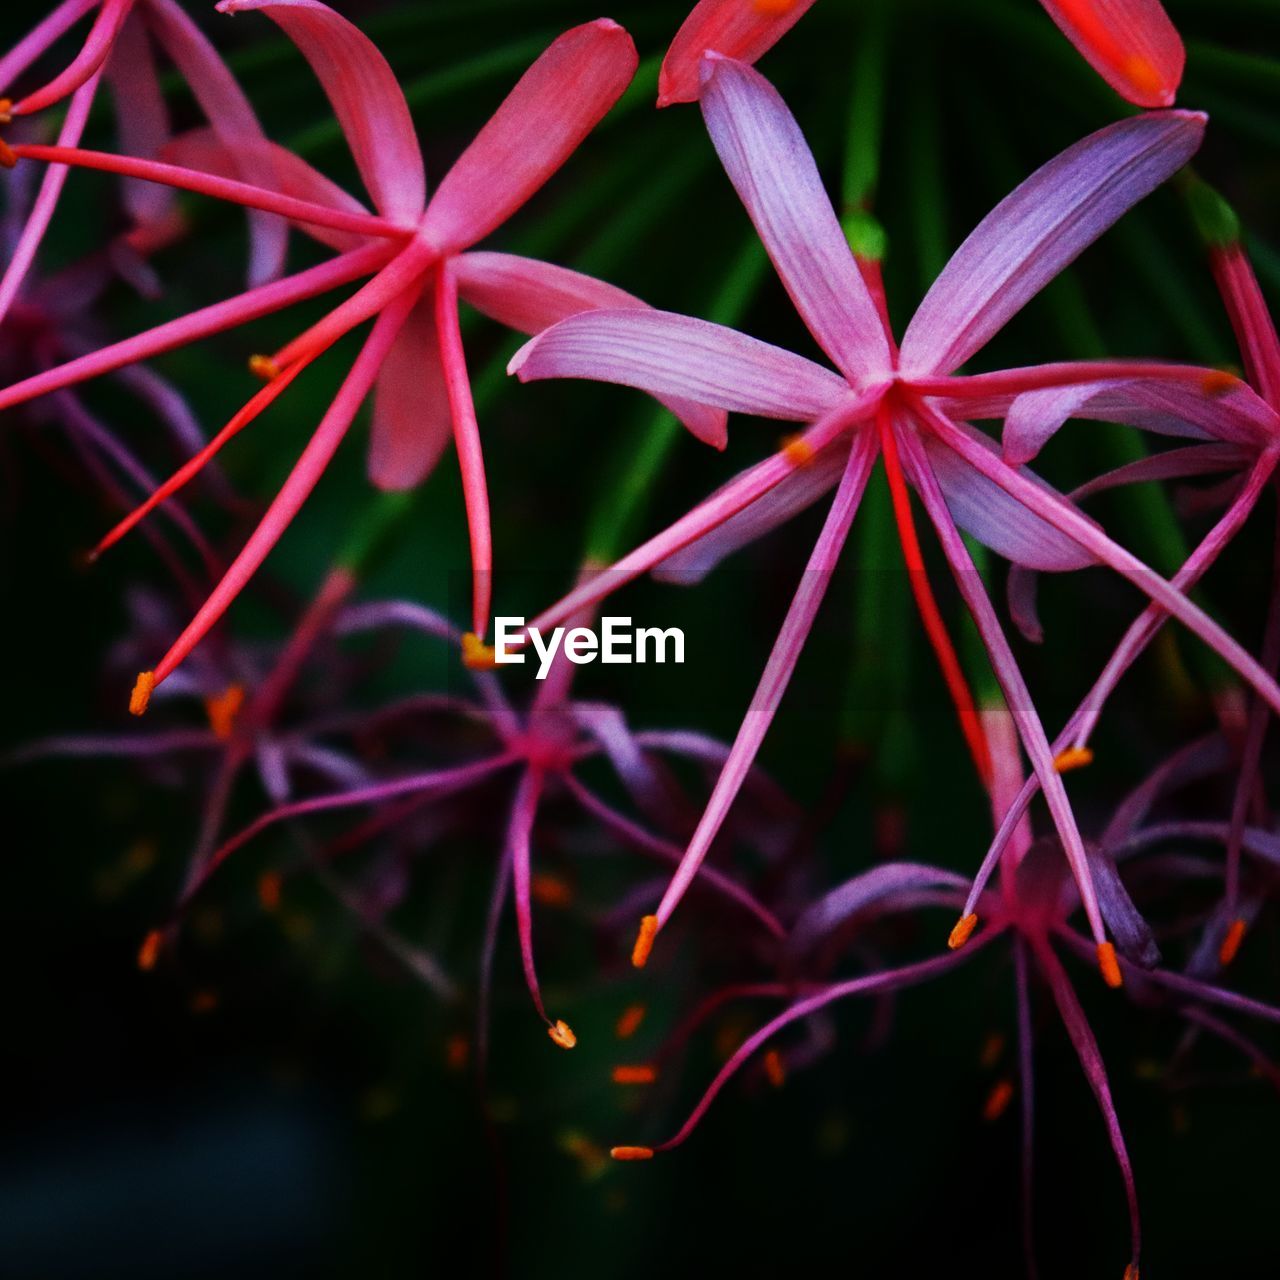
<point x="300" y="724"/>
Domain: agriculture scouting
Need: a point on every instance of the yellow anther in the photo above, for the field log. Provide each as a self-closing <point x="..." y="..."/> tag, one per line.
<point x="631" y="1153"/>
<point x="476" y="655"/>
<point x="962" y="932"/>
<point x="1217" y="382"/>
<point x="561" y="1034"/>
<point x="629" y="1021"/>
<point x="644" y="941"/>
<point x="1109" y="965"/>
<point x="998" y="1100"/>
<point x="642" y="1074"/>
<point x="550" y="891"/>
<point x="140" y="698"/>
<point x="149" y="952"/>
<point x="1073" y="758"/>
<point x="797" y="450"/>
<point x="1231" y="941"/>
<point x="223" y="709"/>
<point x="269" y="885"/>
<point x="264" y="367"/>
<point x="774" y="1069"/>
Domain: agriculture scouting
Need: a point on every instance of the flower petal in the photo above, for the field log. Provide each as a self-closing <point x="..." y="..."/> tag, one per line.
<point x="539" y="125"/>
<point x="411" y="420"/>
<point x="1131" y="44"/>
<point x="745" y="31"/>
<point x="365" y="96"/>
<point x="770" y="165"/>
<point x="786" y="499"/>
<point x="672" y="355"/>
<point x="1039" y="229"/>
<point x="530" y="296"/>
<point x="982" y="508"/>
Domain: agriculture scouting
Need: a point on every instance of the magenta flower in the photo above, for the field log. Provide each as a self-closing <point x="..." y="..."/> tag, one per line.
<point x="1131" y="44"/>
<point x="120" y="50"/>
<point x="413" y="250"/>
<point x="908" y="405"/>
<point x="1031" y="911"/>
<point x="543" y="745"/>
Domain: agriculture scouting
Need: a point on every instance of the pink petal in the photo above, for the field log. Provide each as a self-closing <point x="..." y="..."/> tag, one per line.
<point x="231" y="117"/>
<point x="1131" y="44"/>
<point x="519" y="834"/>
<point x="539" y="125"/>
<point x="983" y="509"/>
<point x="1039" y="229"/>
<point x="1251" y="320"/>
<point x="741" y="29"/>
<point x="671" y="355"/>
<point x="142" y="118"/>
<point x="787" y="499"/>
<point x="411" y="421"/>
<point x="365" y="96"/>
<point x="769" y="163"/>
<point x="1235" y="416"/>
<point x="530" y="296"/>
<point x="94" y="52"/>
<point x="40" y="38"/>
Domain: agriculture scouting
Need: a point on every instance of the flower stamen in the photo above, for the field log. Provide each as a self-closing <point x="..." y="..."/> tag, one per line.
<point x="1231" y="942"/>
<point x="561" y="1034"/>
<point x="140" y="698"/>
<point x="1109" y="965"/>
<point x="962" y="931"/>
<point x="631" y="1153"/>
<point x="1073" y="758"/>
<point x="644" y="941"/>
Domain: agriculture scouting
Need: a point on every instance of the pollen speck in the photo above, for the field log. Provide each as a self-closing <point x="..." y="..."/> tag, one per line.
<point x="562" y="1034"/>
<point x="1231" y="942"/>
<point x="774" y="1069"/>
<point x="264" y="367"/>
<point x="1073" y="758"/>
<point x="962" y="932"/>
<point x="223" y="709"/>
<point x="642" y="1074"/>
<point x="476" y="655"/>
<point x="797" y="450"/>
<point x="997" y="1100"/>
<point x="644" y="941"/>
<point x="1109" y="965"/>
<point x="269" y="884"/>
<point x="629" y="1021"/>
<point x="631" y="1153"/>
<point x="149" y="952"/>
<point x="140" y="698"/>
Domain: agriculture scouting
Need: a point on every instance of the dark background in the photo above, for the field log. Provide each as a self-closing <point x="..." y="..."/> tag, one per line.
<point x="309" y="1123"/>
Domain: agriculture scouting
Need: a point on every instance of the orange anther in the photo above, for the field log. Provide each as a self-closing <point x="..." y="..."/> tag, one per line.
<point x="561" y="1033"/>
<point x="629" y="1021"/>
<point x="1231" y="942"/>
<point x="6" y="110"/>
<point x="1131" y="1271"/>
<point x="774" y="1069"/>
<point x="644" y="941"/>
<point x="476" y="655"/>
<point x="8" y="157"/>
<point x="1073" y="758"/>
<point x="643" y="1074"/>
<point x="797" y="450"/>
<point x="962" y="932"/>
<point x="550" y="891"/>
<point x="1217" y="382"/>
<point x="269" y="885"/>
<point x="1109" y="965"/>
<point x="998" y="1100"/>
<point x="264" y="367"/>
<point x="140" y="698"/>
<point x="223" y="709"/>
<point x="631" y="1153"/>
<point x="149" y="952"/>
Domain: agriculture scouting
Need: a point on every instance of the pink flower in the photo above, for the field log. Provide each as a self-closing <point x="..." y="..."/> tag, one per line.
<point x="540" y="747"/>
<point x="908" y="403"/>
<point x="415" y="253"/>
<point x="120" y="50"/>
<point x="1131" y="44"/>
